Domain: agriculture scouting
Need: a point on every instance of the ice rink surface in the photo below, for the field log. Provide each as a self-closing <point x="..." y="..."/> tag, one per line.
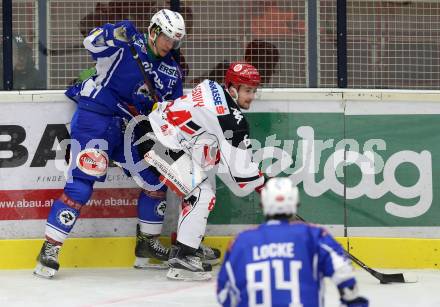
<point x="130" y="288"/>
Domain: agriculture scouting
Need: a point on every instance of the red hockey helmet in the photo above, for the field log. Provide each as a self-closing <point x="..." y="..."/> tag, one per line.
<point x="242" y="73"/>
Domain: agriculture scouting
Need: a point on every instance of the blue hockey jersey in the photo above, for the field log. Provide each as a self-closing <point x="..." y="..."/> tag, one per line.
<point x="281" y="264"/>
<point x="118" y="80"/>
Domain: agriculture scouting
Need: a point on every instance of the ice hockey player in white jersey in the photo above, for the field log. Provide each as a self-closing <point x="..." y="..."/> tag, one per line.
<point x="197" y="134"/>
<point x="283" y="263"/>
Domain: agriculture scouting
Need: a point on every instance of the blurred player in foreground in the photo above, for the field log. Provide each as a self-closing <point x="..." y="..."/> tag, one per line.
<point x="283" y="263"/>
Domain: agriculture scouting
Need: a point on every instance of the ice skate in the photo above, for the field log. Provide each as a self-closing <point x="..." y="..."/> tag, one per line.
<point x="208" y="254"/>
<point x="48" y="264"/>
<point x="149" y="252"/>
<point x="185" y="265"/>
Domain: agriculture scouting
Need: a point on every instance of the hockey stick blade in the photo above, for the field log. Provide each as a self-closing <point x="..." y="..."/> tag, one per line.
<point x="396" y="278"/>
<point x="382" y="277"/>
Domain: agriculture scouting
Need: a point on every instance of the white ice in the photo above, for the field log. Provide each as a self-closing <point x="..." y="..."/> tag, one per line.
<point x="130" y="288"/>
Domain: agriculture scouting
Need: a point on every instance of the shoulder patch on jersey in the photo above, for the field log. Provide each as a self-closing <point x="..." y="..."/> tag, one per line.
<point x="92" y="161"/>
<point x="139" y="42"/>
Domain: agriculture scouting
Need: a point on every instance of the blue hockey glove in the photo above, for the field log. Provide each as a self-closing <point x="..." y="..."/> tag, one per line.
<point x="348" y="292"/>
<point x="142" y="100"/>
<point x="120" y="34"/>
<point x="127" y="28"/>
<point x="357" y="302"/>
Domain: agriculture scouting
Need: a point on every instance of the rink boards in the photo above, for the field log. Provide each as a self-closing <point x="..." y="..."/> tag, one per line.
<point x="385" y="201"/>
<point x="119" y="252"/>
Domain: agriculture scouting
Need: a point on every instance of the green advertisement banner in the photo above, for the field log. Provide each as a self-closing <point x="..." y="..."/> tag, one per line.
<point x="366" y="163"/>
<point x="388" y="179"/>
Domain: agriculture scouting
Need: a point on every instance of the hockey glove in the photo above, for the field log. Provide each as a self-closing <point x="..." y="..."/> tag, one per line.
<point x="349" y="296"/>
<point x="120" y="34"/>
<point x="127" y="28"/>
<point x="260" y="187"/>
<point x="357" y="302"/>
<point x="142" y="100"/>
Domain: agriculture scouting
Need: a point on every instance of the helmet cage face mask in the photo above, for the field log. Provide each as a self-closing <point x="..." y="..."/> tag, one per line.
<point x="171" y="24"/>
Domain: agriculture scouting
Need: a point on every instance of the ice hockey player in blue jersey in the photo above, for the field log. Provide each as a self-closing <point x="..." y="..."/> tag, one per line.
<point x="115" y="91"/>
<point x="282" y="263"/>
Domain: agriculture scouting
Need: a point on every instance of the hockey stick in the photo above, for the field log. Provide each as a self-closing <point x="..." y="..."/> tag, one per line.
<point x="382" y="277"/>
<point x="159" y="163"/>
<point x="150" y="87"/>
<point x="120" y="34"/>
<point x="73" y="48"/>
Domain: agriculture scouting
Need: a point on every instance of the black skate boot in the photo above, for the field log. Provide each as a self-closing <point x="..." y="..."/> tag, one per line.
<point x="48" y="264"/>
<point x="185" y="265"/>
<point x="149" y="252"/>
<point x="207" y="254"/>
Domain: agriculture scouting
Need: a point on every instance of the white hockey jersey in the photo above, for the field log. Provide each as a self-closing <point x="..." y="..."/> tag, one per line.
<point x="210" y="127"/>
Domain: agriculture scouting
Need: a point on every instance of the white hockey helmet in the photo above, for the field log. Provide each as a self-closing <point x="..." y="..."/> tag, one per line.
<point x="169" y="23"/>
<point x="279" y="196"/>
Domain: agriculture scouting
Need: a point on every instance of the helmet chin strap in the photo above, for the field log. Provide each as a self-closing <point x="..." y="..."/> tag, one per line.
<point x="234" y="93"/>
<point x="153" y="37"/>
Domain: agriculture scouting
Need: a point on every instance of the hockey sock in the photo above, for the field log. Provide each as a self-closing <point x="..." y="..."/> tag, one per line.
<point x="62" y="217"/>
<point x="151" y="211"/>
